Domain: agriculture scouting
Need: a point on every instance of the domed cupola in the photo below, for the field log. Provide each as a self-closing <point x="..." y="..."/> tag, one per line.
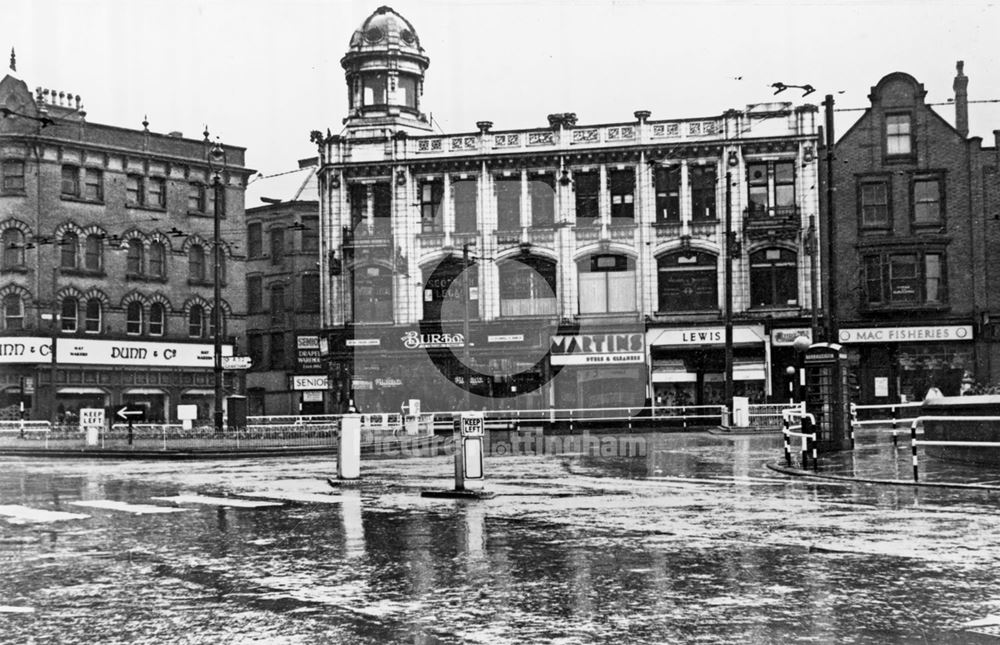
<point x="384" y="67"/>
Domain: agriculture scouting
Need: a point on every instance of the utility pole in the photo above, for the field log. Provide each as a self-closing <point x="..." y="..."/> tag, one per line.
<point x="465" y="325"/>
<point x="832" y="324"/>
<point x="729" y="296"/>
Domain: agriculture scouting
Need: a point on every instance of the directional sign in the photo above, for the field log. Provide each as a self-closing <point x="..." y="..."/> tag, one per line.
<point x="236" y="362"/>
<point x="130" y="413"/>
<point x="91" y="417"/>
<point x="472" y="424"/>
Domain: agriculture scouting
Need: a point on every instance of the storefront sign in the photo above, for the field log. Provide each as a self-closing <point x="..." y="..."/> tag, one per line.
<point x="786" y="337"/>
<point x="508" y="338"/>
<point x="590" y="349"/>
<point x="389" y="382"/>
<point x="311" y="382"/>
<point x="307" y="342"/>
<point x="312" y="396"/>
<point x="361" y="384"/>
<point x="17" y="349"/>
<point x="882" y="386"/>
<point x="307" y="352"/>
<point x="937" y="333"/>
<point x="364" y="342"/>
<point x="414" y="340"/>
<point x="76" y="351"/>
<point x="693" y="336"/>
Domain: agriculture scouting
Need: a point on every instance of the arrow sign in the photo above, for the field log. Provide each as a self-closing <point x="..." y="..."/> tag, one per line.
<point x="130" y="414"/>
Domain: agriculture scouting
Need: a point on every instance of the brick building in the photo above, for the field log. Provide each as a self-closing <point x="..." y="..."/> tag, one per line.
<point x="567" y="265"/>
<point x="107" y="257"/>
<point x="282" y="278"/>
<point x="917" y="245"/>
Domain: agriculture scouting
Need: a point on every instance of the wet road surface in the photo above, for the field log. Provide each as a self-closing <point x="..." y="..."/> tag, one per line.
<point x="694" y="541"/>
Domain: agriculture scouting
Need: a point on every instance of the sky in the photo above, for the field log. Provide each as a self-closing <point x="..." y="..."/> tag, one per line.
<point x="261" y="74"/>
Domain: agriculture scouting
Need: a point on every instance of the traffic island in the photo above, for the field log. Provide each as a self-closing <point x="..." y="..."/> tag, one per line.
<point x="458" y="494"/>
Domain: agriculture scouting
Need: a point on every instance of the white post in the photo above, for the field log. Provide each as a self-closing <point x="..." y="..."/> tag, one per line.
<point x="469" y="456"/>
<point x="349" y="452"/>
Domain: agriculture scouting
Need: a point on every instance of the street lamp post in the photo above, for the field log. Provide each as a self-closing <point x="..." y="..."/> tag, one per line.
<point x="217" y="162"/>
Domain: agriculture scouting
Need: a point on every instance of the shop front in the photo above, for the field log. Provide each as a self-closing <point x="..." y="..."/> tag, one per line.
<point x="688" y="364"/>
<point x="599" y="370"/>
<point x="892" y="364"/>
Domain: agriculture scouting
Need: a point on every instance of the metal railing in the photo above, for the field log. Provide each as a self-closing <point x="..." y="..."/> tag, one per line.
<point x="919" y="421"/>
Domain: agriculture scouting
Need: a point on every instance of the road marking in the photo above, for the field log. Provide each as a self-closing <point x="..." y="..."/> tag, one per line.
<point x="318" y="498"/>
<point x="8" y="609"/>
<point x="140" y="509"/>
<point x="22" y="514"/>
<point x="216" y="501"/>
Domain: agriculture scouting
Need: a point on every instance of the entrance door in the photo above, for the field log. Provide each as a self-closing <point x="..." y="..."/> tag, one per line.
<point x="877" y="375"/>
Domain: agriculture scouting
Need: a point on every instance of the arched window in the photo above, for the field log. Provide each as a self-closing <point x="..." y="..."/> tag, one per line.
<point x="69" y="314"/>
<point x="13" y="312"/>
<point x="92" y="317"/>
<point x="196" y="263"/>
<point x="94" y="253"/>
<point x="607" y="284"/>
<point x="13" y="248"/>
<point x="196" y="322"/>
<point x="688" y="281"/>
<point x="444" y="291"/>
<point x="157" y="319"/>
<point x="157" y="260"/>
<point x="528" y="287"/>
<point x="67" y="250"/>
<point x="133" y="261"/>
<point x="372" y="294"/>
<point x="133" y="318"/>
<point x="774" y="278"/>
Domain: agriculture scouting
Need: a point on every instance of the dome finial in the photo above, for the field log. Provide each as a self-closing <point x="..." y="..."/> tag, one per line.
<point x="13" y="60"/>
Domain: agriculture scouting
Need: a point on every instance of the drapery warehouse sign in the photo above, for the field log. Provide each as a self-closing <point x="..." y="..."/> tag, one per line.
<point x="938" y="333"/>
<point x="114" y="352"/>
<point x="74" y="351"/>
<point x="590" y="349"/>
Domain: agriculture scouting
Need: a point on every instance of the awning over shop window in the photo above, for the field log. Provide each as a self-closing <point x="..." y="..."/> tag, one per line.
<point x="741" y="372"/>
<point x="81" y="390"/>
<point x="697" y="336"/>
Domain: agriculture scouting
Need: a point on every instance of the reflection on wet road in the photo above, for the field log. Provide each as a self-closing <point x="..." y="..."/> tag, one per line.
<point x="695" y="541"/>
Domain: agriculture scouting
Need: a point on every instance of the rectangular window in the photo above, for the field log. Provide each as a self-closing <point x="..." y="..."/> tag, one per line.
<point x="466" y="196"/>
<point x="157" y="192"/>
<point x="873" y="280"/>
<point x="542" y="192"/>
<point x="92" y="318"/>
<point x="897" y="134"/>
<point x="255" y="348"/>
<point x="784" y="184"/>
<point x="277" y="351"/>
<point x="277" y="245"/>
<point x="508" y="203"/>
<point x="310" y="234"/>
<point x="255" y="294"/>
<point x="703" y="182"/>
<point x="668" y="194"/>
<point x="373" y="89"/>
<point x="431" y="195"/>
<point x="13" y="176"/>
<point x="70" y="181"/>
<point x="196" y="197"/>
<point x="933" y="278"/>
<point x="156" y="322"/>
<point x="382" y="209"/>
<point x="621" y="190"/>
<point x="912" y="278"/>
<point x="588" y="196"/>
<point x="757" y="188"/>
<point x="93" y="185"/>
<point x="68" y="315"/>
<point x="903" y="279"/>
<point x="255" y="244"/>
<point x="134" y="195"/>
<point x="310" y="292"/>
<point x="874" y="197"/>
<point x="358" y="196"/>
<point x="277" y="302"/>
<point x="927" y="209"/>
<point x="93" y="253"/>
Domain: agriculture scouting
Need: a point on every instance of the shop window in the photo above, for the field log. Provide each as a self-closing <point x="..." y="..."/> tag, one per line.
<point x="134" y="258"/>
<point x="587" y="186"/>
<point x="431" y="215"/>
<point x="607" y="284"/>
<point x="466" y="198"/>
<point x="68" y="250"/>
<point x="13" y="248"/>
<point x="528" y="287"/>
<point x="133" y="318"/>
<point x="69" y="314"/>
<point x="444" y="291"/>
<point x="927" y="201"/>
<point x="255" y="244"/>
<point x="372" y="294"/>
<point x="92" y="316"/>
<point x="703" y="181"/>
<point x="157" y="260"/>
<point x="688" y="282"/>
<point x="542" y="193"/>
<point x="774" y="278"/>
<point x="13" y="176"/>
<point x="508" y="191"/>
<point x="157" y="319"/>
<point x="898" y="140"/>
<point x="13" y="312"/>
<point x="621" y="191"/>
<point x="905" y="279"/>
<point x="667" y="182"/>
<point x="196" y="322"/>
<point x="873" y="195"/>
<point x="196" y="263"/>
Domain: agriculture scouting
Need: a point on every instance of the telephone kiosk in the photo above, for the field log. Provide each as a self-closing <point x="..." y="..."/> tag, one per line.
<point x="826" y="396"/>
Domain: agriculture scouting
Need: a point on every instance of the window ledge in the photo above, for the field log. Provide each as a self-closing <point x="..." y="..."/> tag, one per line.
<point x="138" y="277"/>
<point x="909" y="307"/>
<point x="143" y="207"/>
<point x="20" y="268"/>
<point x="202" y="283"/>
<point x="666" y="224"/>
<point x="90" y="273"/>
<point x="81" y="200"/>
<point x="10" y="192"/>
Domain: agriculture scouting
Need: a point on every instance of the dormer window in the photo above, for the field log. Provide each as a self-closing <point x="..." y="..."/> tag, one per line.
<point x="897" y="135"/>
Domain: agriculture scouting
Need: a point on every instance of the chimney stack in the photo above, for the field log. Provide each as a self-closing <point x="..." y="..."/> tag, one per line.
<point x="961" y="86"/>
